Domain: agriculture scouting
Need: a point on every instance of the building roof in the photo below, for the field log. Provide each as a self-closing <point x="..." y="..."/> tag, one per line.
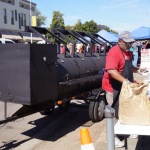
<point x="20" y="36"/>
<point x="10" y="35"/>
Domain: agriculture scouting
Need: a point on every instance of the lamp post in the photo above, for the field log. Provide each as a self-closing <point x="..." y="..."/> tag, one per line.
<point x="31" y="18"/>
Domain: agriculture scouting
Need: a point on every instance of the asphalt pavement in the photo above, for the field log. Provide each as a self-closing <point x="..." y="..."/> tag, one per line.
<point x="59" y="131"/>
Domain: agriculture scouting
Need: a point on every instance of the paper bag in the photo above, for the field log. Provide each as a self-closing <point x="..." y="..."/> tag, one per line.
<point x="134" y="104"/>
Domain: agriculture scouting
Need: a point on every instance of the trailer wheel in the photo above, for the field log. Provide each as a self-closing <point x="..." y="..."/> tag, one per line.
<point x="99" y="109"/>
<point x="96" y="109"/>
<point x="91" y="110"/>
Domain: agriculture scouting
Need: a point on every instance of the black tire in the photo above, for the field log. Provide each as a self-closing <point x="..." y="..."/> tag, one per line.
<point x="91" y="110"/>
<point x="99" y="108"/>
<point x="96" y="109"/>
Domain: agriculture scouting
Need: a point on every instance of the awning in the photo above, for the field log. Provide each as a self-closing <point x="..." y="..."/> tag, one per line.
<point x="10" y="35"/>
<point x="22" y="36"/>
<point x="26" y="36"/>
<point x="141" y="33"/>
<point x="109" y="36"/>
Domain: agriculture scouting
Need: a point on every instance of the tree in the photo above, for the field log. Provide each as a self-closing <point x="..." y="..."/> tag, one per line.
<point x="40" y="19"/>
<point x="78" y="25"/>
<point x="110" y="30"/>
<point x="57" y="20"/>
<point x="88" y="26"/>
<point x="68" y="27"/>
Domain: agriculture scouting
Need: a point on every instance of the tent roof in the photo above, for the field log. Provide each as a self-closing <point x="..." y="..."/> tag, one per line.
<point x="109" y="36"/>
<point x="141" y="33"/>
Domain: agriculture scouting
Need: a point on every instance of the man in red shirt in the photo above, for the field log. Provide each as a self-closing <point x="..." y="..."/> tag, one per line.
<point x="118" y="69"/>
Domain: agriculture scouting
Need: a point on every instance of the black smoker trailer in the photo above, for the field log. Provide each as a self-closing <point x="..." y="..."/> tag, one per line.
<point x="38" y="76"/>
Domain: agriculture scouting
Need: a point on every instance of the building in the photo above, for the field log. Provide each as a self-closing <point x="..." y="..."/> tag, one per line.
<point x="15" y="16"/>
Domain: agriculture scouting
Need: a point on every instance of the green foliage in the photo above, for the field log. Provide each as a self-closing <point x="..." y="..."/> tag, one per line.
<point x="50" y="37"/>
<point x="40" y="19"/>
<point x="110" y="30"/>
<point x="78" y="26"/>
<point x="88" y="26"/>
<point x="69" y="27"/>
<point x="57" y="20"/>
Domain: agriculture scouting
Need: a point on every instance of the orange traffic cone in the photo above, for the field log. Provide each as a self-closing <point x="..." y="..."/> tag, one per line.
<point x="85" y="140"/>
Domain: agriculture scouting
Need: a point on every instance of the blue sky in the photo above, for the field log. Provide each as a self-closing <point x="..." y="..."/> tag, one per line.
<point x="119" y="15"/>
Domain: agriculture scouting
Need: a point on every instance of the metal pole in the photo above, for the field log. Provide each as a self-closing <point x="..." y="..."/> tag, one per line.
<point x="5" y="110"/>
<point x="31" y="18"/>
<point x="109" y="115"/>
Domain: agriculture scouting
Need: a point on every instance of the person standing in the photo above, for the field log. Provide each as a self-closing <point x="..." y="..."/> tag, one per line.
<point x="135" y="47"/>
<point x="62" y="48"/>
<point x="118" y="69"/>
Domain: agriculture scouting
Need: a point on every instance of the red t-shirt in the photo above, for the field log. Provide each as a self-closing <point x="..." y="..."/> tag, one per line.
<point x="62" y="50"/>
<point x="114" y="60"/>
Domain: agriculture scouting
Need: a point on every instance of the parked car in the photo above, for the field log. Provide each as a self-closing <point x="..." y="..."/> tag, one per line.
<point x="41" y="42"/>
<point x="6" y="41"/>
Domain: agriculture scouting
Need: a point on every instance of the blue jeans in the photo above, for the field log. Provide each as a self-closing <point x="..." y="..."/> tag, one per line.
<point x="135" y="59"/>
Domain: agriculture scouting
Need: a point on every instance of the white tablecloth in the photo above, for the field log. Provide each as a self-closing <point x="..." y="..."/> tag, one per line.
<point x="131" y="129"/>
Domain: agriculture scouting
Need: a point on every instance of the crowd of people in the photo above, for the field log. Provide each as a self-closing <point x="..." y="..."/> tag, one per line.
<point x="136" y="48"/>
<point x="79" y="48"/>
<point x="145" y="44"/>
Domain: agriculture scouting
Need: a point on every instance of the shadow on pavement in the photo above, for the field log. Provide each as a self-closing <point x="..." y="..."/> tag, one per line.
<point x="11" y="144"/>
<point x="52" y="127"/>
<point x="57" y="125"/>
